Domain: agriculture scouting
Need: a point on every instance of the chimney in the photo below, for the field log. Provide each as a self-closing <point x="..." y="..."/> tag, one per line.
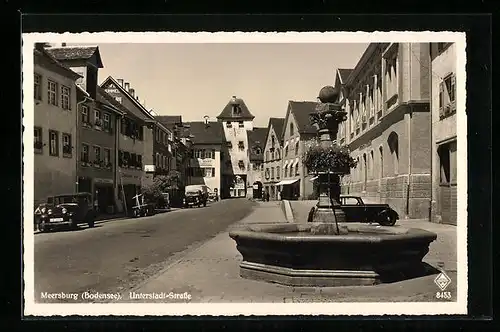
<point x="120" y="81"/>
<point x="131" y="91"/>
<point x="127" y="86"/>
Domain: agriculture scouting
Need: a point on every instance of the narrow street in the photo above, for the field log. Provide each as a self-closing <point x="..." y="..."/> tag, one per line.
<point x="117" y="255"/>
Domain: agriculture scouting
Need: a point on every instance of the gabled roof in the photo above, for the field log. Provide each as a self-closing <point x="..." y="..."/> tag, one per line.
<point x="256" y="138"/>
<point x="143" y="112"/>
<point x="277" y="125"/>
<point x="301" y="111"/>
<point x="104" y="98"/>
<point x="169" y="120"/>
<point x="344" y="74"/>
<point x="76" y="53"/>
<point x="41" y="53"/>
<point x="227" y="112"/>
<point x="211" y="133"/>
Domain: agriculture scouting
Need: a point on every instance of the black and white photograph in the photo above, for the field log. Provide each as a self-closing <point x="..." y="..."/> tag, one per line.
<point x="245" y="173"/>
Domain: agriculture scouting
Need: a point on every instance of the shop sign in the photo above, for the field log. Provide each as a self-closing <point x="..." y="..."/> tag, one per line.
<point x="103" y="181"/>
<point x="202" y="162"/>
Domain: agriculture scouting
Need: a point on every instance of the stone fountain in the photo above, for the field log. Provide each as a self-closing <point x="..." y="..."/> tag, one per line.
<point x="327" y="251"/>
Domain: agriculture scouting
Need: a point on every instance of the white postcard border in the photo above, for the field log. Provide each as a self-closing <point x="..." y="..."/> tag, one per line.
<point x="231" y="309"/>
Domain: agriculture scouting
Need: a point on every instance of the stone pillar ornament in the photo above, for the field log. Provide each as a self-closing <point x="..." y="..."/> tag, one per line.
<point x="329" y="114"/>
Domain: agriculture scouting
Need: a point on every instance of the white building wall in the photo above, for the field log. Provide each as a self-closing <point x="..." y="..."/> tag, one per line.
<point x="213" y="182"/>
<point x="54" y="175"/>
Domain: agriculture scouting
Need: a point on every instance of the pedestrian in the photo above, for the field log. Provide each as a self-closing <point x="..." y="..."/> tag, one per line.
<point x="96" y="202"/>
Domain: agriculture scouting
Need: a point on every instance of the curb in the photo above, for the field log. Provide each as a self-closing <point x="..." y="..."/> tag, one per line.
<point x="288" y="211"/>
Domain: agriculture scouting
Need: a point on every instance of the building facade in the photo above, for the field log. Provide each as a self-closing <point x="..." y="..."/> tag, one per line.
<point x="135" y="143"/>
<point x="205" y="155"/>
<point x="296" y="181"/>
<point x="444" y="133"/>
<point x="256" y="144"/>
<point x="236" y="120"/>
<point x="271" y="169"/>
<point x="55" y="127"/>
<point x="97" y="122"/>
<point x="387" y="98"/>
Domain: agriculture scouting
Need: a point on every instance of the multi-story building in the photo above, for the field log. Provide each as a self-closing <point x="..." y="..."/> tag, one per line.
<point x="271" y="169"/>
<point x="55" y="126"/>
<point x="444" y="133"/>
<point x="158" y="139"/>
<point x="388" y="128"/>
<point x="256" y="144"/>
<point x="297" y="130"/>
<point x="135" y="142"/>
<point x="97" y="122"/>
<point x="205" y="159"/>
<point x="236" y="120"/>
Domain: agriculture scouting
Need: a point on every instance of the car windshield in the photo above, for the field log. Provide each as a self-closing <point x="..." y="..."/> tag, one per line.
<point x="192" y="193"/>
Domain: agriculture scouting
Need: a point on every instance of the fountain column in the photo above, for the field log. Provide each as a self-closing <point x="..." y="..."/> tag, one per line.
<point x="328" y="115"/>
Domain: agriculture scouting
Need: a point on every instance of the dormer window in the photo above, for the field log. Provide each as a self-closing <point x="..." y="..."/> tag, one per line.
<point x="257" y="151"/>
<point x="236" y="110"/>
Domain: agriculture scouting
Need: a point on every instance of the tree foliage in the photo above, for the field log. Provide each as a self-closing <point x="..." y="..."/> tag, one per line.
<point x="161" y="184"/>
<point x="327" y="157"/>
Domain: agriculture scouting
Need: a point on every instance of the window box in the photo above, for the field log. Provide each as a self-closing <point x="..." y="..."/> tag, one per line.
<point x="67" y="150"/>
<point x="98" y="124"/>
<point x="38" y="146"/>
<point x="86" y="125"/>
<point x="97" y="163"/>
<point x="85" y="163"/>
<point x="109" y="165"/>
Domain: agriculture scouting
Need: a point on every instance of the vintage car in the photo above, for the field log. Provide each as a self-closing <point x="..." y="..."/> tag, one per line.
<point x="196" y="195"/>
<point x="67" y="210"/>
<point x="358" y="211"/>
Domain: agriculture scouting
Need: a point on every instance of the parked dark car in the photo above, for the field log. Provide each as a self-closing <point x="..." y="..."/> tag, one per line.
<point x="67" y="210"/>
<point x="357" y="211"/>
<point x="195" y="198"/>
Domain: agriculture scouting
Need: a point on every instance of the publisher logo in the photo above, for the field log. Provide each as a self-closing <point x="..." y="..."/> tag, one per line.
<point x="442" y="281"/>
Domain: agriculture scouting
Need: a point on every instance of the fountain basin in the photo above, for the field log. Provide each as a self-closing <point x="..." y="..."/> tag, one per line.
<point x="294" y="254"/>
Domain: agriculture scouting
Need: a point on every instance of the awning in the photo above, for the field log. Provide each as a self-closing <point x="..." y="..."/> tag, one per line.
<point x="285" y="182"/>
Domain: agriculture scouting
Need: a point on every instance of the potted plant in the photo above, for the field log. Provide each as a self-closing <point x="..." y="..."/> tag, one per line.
<point x="327" y="157"/>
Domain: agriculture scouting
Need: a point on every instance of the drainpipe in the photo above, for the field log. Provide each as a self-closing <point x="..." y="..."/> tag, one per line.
<point x="85" y="99"/>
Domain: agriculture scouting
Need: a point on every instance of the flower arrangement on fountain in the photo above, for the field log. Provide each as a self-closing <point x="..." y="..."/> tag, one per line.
<point x="327" y="158"/>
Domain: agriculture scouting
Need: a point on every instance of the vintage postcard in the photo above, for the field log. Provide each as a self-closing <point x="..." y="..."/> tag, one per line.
<point x="245" y="173"/>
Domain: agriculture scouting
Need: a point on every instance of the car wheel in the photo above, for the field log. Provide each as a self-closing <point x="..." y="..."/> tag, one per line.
<point x="388" y="219"/>
<point x="74" y="224"/>
<point x="42" y="228"/>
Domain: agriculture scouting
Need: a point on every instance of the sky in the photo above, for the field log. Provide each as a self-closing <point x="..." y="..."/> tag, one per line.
<point x="194" y="80"/>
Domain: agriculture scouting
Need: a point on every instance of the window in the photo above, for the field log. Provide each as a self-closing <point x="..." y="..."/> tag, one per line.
<point x="297" y="148"/>
<point x="241" y="145"/>
<point x="229" y="125"/>
<point x="38" y="87"/>
<point x="54" y="143"/>
<point x="381" y="169"/>
<point x="241" y="164"/>
<point x="371" y="165"/>
<point x="67" y="148"/>
<point x="37" y="139"/>
<point x="107" y="158"/>
<point x="106" y="121"/>
<point x="85" y="114"/>
<point x="97" y="154"/>
<point x="209" y="172"/>
<point x="85" y="153"/>
<point x="241" y="124"/>
<point x="394" y="149"/>
<point x="291" y="170"/>
<point x="65" y="98"/>
<point x="118" y="99"/>
<point x="278" y="153"/>
<point x="157" y="160"/>
<point x="52" y="92"/>
<point x="447" y="95"/>
<point x="291" y="129"/>
<point x="139" y="161"/>
<point x="197" y="154"/>
<point x="448" y="163"/>
<point x="297" y="169"/>
<point x="278" y="172"/>
<point x="286" y="151"/>
<point x="272" y="172"/>
<point x="97" y="118"/>
<point x="210" y="154"/>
